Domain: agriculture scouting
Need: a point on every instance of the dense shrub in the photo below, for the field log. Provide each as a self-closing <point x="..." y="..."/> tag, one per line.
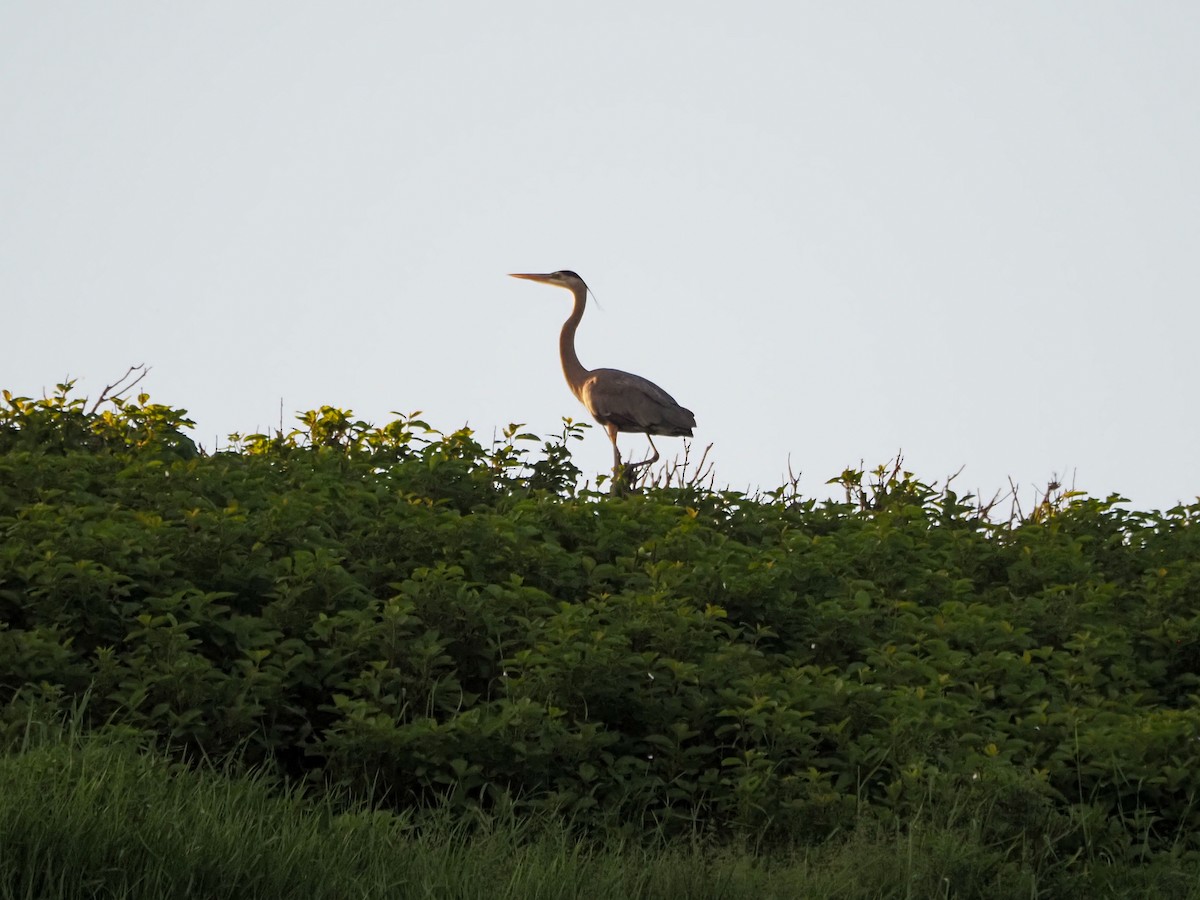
<point x="413" y="615"/>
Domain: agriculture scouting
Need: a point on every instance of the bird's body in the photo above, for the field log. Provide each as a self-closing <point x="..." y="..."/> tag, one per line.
<point x="620" y="401"/>
<point x="632" y="403"/>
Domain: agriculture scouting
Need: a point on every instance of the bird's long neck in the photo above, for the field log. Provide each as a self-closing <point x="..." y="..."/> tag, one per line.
<point x="572" y="368"/>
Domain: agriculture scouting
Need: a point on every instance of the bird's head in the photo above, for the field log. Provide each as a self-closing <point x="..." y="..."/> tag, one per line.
<point x="563" y="278"/>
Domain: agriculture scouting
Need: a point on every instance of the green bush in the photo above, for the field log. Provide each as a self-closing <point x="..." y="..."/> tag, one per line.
<point x="414" y="616"/>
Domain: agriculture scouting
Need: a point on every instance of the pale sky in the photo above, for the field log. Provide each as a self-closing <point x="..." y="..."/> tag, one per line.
<point x="832" y="230"/>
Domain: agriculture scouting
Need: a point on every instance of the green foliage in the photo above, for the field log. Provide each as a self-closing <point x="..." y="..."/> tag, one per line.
<point x="101" y="815"/>
<point x="416" y="617"/>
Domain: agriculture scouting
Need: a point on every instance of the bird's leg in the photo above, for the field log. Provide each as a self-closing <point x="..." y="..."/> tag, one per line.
<point x="629" y="472"/>
<point x="645" y="462"/>
<point x="612" y="436"/>
<point x="654" y="458"/>
<point x="620" y="473"/>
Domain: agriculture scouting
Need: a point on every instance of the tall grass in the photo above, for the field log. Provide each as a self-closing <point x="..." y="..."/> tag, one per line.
<point x="106" y="818"/>
<point x="103" y="816"/>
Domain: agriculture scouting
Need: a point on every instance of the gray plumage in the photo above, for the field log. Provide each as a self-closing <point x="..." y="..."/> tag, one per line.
<point x="634" y="404"/>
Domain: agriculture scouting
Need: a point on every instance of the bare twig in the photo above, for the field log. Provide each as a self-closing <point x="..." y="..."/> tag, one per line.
<point x="117" y="388"/>
<point x="676" y="471"/>
<point x="1015" y="513"/>
<point x="984" y="510"/>
<point x="791" y="492"/>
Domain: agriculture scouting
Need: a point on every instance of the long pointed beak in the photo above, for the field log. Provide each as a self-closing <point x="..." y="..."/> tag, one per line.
<point x="544" y="279"/>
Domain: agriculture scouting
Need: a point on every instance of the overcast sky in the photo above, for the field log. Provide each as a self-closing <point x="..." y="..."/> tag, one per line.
<point x="833" y="230"/>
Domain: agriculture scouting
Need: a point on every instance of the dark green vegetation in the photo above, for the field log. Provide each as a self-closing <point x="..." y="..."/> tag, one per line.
<point x="895" y="694"/>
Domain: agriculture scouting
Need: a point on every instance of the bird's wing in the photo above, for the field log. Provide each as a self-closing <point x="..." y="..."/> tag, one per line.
<point x="634" y="403"/>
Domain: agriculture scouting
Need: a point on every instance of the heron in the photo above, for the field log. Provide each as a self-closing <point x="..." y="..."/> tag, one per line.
<point x="620" y="401"/>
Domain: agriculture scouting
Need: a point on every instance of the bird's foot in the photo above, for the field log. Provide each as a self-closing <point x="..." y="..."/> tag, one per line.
<point x="633" y="467"/>
<point x="626" y="474"/>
